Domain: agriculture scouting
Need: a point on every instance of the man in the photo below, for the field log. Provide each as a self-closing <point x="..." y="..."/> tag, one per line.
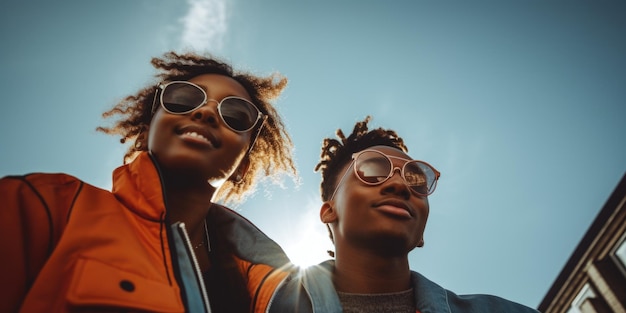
<point x="375" y="206"/>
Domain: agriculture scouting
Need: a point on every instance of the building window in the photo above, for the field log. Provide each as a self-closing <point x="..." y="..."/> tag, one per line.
<point x="621" y="254"/>
<point x="587" y="301"/>
<point x="584" y="295"/>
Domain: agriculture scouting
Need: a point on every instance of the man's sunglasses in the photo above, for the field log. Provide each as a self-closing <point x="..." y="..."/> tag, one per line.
<point x="182" y="97"/>
<point x="374" y="168"/>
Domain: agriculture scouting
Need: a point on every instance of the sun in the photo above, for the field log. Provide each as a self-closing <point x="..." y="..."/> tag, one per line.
<point x="308" y="249"/>
<point x="307" y="245"/>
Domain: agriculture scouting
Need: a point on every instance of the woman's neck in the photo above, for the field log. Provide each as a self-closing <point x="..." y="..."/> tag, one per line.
<point x="189" y="204"/>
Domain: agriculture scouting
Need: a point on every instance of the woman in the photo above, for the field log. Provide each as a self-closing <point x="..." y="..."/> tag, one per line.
<point x="157" y="242"/>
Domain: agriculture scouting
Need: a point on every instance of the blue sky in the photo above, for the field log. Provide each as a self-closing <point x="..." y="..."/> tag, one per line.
<point x="519" y="104"/>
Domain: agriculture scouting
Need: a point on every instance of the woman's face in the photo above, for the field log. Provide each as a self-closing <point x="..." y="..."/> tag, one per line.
<point x="198" y="145"/>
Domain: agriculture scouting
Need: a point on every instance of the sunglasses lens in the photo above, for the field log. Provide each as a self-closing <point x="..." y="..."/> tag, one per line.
<point x="419" y="176"/>
<point x="182" y="97"/>
<point x="238" y="114"/>
<point x="372" y="167"/>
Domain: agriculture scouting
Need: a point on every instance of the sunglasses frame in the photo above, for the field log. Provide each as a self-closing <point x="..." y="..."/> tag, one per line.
<point x="161" y="88"/>
<point x="392" y="171"/>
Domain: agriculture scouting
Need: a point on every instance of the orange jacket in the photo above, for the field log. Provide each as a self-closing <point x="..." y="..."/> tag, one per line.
<point x="69" y="246"/>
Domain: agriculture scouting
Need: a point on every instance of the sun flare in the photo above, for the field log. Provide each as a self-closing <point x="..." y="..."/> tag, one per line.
<point x="308" y="244"/>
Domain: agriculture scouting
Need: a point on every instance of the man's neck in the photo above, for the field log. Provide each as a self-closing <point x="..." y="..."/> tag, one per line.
<point x="364" y="272"/>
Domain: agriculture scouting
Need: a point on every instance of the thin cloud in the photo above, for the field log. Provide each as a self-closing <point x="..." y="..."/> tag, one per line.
<point x="204" y="25"/>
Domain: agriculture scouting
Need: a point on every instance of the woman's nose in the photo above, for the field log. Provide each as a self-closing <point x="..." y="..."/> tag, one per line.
<point x="207" y="113"/>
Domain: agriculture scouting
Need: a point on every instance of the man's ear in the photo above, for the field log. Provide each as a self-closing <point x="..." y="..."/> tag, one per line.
<point x="328" y="213"/>
<point x="241" y="170"/>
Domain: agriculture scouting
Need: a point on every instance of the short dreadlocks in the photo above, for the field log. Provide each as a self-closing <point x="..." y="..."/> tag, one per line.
<point x="335" y="153"/>
<point x="272" y="153"/>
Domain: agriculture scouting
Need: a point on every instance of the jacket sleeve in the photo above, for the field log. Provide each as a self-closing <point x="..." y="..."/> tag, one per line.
<point x="263" y="282"/>
<point x="34" y="210"/>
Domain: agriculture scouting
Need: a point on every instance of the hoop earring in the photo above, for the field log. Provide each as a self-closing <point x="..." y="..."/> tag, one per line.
<point x="138" y="145"/>
<point x="140" y="138"/>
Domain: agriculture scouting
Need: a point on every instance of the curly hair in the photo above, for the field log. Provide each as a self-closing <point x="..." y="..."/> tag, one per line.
<point x="272" y="152"/>
<point x="335" y="153"/>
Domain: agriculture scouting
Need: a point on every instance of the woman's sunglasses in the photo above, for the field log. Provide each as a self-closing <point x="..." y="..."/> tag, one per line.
<point x="182" y="97"/>
<point x="374" y="168"/>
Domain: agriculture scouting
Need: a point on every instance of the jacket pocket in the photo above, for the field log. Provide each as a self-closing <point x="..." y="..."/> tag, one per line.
<point x="96" y="284"/>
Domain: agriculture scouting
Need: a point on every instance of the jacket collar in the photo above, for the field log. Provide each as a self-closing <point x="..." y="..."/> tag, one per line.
<point x="244" y="239"/>
<point x="429" y="297"/>
<point x="138" y="186"/>
<point x="317" y="281"/>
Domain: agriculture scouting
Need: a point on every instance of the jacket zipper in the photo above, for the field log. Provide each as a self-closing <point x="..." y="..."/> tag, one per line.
<point x="182" y="230"/>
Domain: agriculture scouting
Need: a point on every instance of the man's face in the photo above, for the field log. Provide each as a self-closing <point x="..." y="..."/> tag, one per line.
<point x="388" y="217"/>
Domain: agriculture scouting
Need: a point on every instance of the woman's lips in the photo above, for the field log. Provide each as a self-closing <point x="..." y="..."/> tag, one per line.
<point x="198" y="135"/>
<point x="194" y="137"/>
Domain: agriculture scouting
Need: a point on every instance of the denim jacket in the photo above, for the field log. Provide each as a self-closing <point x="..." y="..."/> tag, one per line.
<point x="312" y="290"/>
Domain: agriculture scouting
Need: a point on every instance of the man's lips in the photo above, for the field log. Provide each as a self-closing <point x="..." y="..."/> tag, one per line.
<point x="394" y="207"/>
